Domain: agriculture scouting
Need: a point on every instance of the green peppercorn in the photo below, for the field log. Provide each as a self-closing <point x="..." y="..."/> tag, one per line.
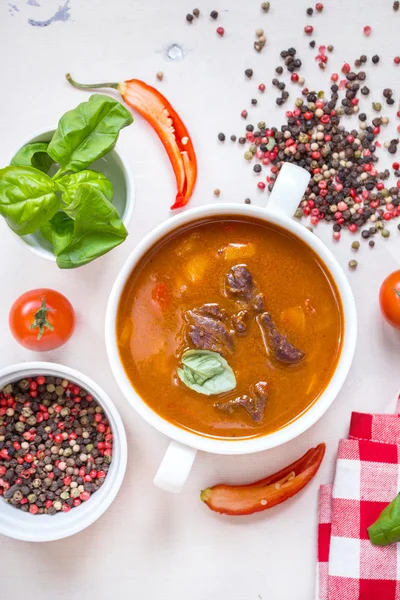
<point x="353" y="264"/>
<point x="385" y="233"/>
<point x="265" y="6"/>
<point x="377" y="106"/>
<point x="298" y="213"/>
<point x="355" y="245"/>
<point x="299" y="102"/>
<point x="261" y="125"/>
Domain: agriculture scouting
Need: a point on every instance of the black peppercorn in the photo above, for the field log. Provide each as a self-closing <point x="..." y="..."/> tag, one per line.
<point x="257" y="168"/>
<point x="249" y="73"/>
<point x="213" y="14"/>
<point x="189" y="17"/>
<point x="254" y="101"/>
<point x="221" y="137"/>
<point x="309" y="11"/>
<point x="375" y="59"/>
<point x="312" y="44"/>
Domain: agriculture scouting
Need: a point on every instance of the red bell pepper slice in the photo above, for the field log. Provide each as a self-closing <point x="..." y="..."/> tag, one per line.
<point x="268" y="492"/>
<point x="157" y="111"/>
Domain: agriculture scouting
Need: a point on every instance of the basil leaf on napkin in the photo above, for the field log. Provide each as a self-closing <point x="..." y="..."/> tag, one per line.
<point x="27" y="198"/>
<point x="33" y="155"/>
<point x="386" y="529"/>
<point x="206" y="372"/>
<point x="88" y="132"/>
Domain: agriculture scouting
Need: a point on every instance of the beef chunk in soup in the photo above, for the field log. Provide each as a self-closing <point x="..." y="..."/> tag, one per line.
<point x="240" y="285"/>
<point x="254" y="403"/>
<point x="239" y="321"/>
<point x="277" y="343"/>
<point x="209" y="329"/>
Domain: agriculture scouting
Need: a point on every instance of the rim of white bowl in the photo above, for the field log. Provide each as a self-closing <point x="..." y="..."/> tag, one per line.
<point x="130" y="193"/>
<point x="312" y="414"/>
<point x="45" y="528"/>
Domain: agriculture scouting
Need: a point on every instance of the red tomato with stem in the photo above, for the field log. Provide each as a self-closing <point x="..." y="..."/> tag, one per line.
<point x="389" y="299"/>
<point x="42" y="319"/>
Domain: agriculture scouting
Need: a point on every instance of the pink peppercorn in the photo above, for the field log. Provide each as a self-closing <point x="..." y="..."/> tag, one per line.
<point x="261" y="87"/>
<point x="387" y="216"/>
<point x="346" y="68"/>
<point x="48" y="504"/>
<point x="380" y="185"/>
<point x="244" y="114"/>
<point x="261" y="186"/>
<point x="220" y="31"/>
<point x="367" y="30"/>
<point x="77" y="502"/>
<point x="397" y="60"/>
<point x="84" y="496"/>
<point x="308" y="29"/>
<point x="352" y="227"/>
<point x="319" y="7"/>
<point x="314" y="220"/>
<point x="66" y="508"/>
<point x="342" y="206"/>
<point x="336" y="235"/>
<point x="33" y="509"/>
<point x="390" y="206"/>
<point x="334" y="77"/>
<point x="294" y="77"/>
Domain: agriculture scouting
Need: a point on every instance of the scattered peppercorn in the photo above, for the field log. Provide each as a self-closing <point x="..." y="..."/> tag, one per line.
<point x="214" y="14"/>
<point x="385" y="233"/>
<point x="353" y="264"/>
<point x="396" y="60"/>
<point x="396" y="5"/>
<point x="247" y="201"/>
<point x="257" y="168"/>
<point x="233" y="138"/>
<point x="371" y="243"/>
<point x="249" y="73"/>
<point x="355" y="245"/>
<point x="265" y="6"/>
<point x="319" y="7"/>
<point x="309" y="11"/>
<point x="221" y="137"/>
<point x="330" y="48"/>
<point x="254" y="101"/>
<point x="312" y="44"/>
<point x="160" y="75"/>
<point x="377" y="106"/>
<point x="308" y="29"/>
<point x="189" y="17"/>
<point x="196" y="12"/>
<point x="375" y="59"/>
<point x="217" y="192"/>
<point x="367" y="30"/>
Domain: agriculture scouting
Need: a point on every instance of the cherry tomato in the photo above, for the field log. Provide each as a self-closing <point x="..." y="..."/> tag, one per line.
<point x="42" y="319"/>
<point x="389" y="299"/>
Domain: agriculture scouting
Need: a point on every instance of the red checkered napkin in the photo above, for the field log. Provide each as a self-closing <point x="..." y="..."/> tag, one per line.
<point x="367" y="478"/>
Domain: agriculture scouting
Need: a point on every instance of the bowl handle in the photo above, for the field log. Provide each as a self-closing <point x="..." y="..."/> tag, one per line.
<point x="175" y="467"/>
<point x="288" y="189"/>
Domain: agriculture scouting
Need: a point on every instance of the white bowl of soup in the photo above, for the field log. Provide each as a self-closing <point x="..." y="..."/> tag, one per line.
<point x="248" y="287"/>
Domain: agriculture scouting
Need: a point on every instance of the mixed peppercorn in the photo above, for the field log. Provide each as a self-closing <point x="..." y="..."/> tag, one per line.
<point x="55" y="445"/>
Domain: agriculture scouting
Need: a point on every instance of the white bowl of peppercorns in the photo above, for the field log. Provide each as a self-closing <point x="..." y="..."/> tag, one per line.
<point x="63" y="451"/>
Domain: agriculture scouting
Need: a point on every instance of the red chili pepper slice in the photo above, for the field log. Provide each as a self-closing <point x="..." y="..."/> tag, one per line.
<point x="268" y="492"/>
<point x="157" y="111"/>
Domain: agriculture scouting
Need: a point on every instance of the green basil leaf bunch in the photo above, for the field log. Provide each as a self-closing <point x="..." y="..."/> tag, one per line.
<point x="72" y="209"/>
<point x="206" y="372"/>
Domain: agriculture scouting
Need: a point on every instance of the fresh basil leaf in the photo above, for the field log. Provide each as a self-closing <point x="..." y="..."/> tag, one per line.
<point x="58" y="231"/>
<point x="97" y="229"/>
<point x="27" y="198"/>
<point x="88" y="132"/>
<point x="386" y="529"/>
<point x="69" y="184"/>
<point x="206" y="372"/>
<point x="33" y="155"/>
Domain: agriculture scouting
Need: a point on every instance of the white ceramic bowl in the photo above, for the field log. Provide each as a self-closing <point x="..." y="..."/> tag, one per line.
<point x="287" y="193"/>
<point x="45" y="528"/>
<point x="113" y="165"/>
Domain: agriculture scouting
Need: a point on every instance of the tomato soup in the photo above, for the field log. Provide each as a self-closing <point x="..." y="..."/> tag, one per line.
<point x="283" y="333"/>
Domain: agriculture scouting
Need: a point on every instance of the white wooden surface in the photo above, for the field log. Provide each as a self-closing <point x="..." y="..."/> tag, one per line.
<point x="151" y="545"/>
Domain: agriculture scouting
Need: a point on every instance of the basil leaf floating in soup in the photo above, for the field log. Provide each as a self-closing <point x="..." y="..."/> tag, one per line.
<point x="33" y="155"/>
<point x="386" y="529"/>
<point x="88" y="132"/>
<point x="206" y="372"/>
<point x="27" y="198"/>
